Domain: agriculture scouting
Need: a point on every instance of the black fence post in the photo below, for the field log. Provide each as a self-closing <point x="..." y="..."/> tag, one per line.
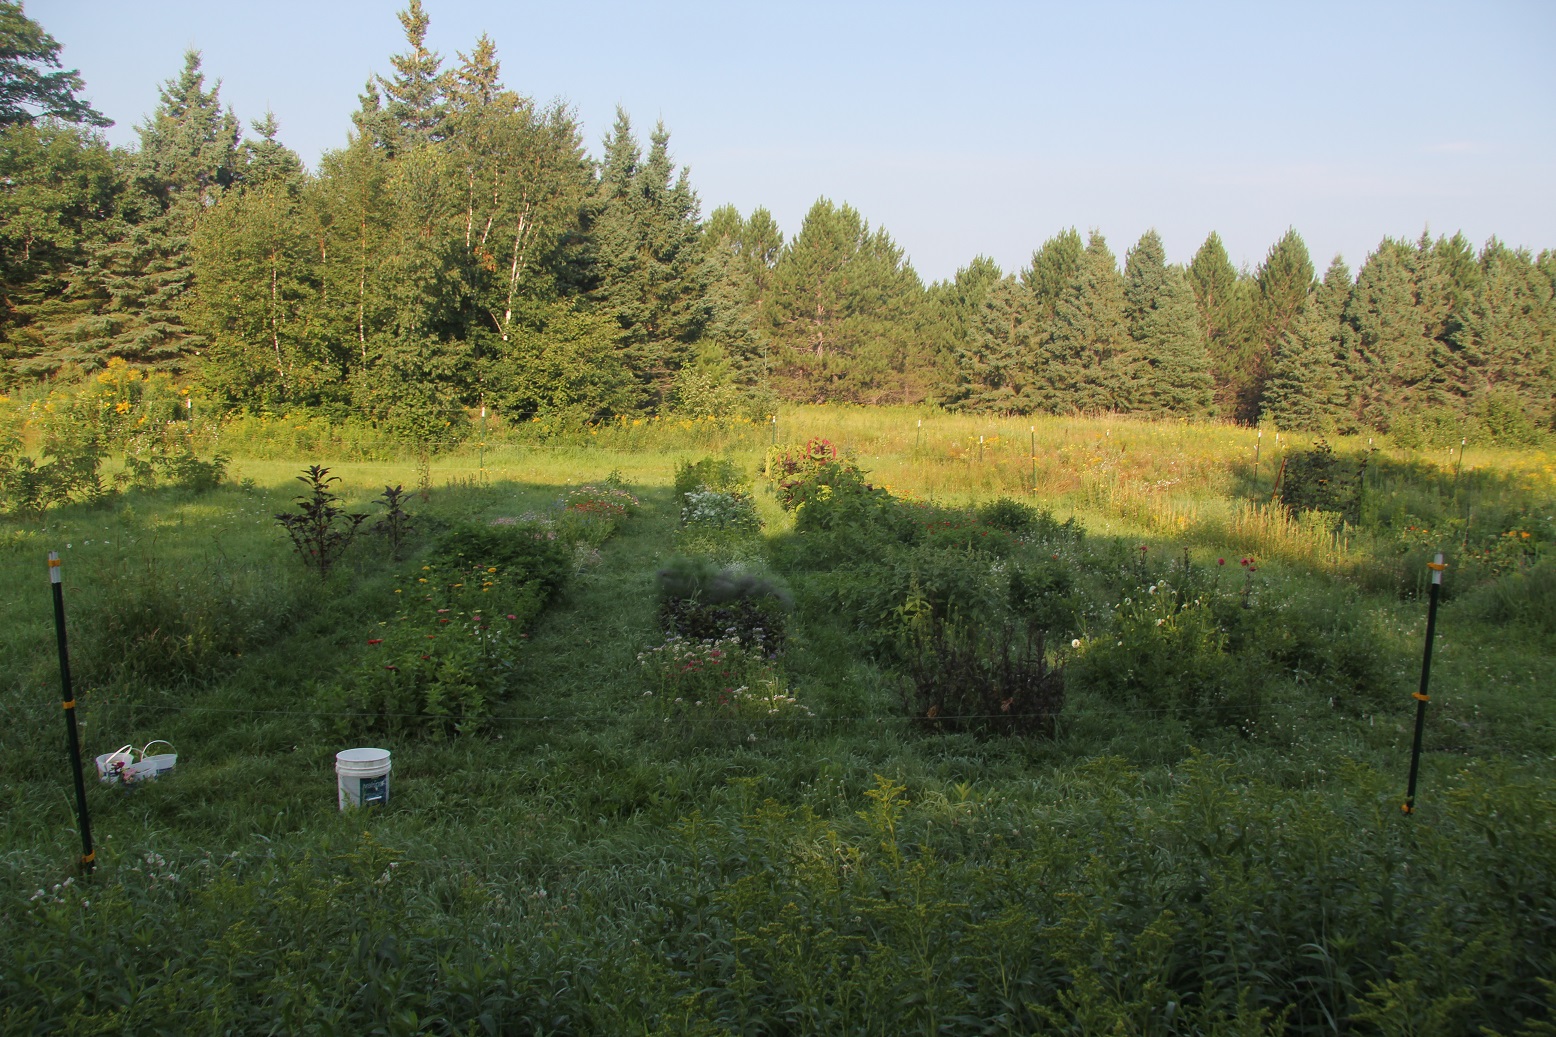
<point x="1437" y="567"/>
<point x="68" y="699"/>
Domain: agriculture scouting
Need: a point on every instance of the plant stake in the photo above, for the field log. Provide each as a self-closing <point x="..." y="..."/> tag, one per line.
<point x="1437" y="567"/>
<point x="1032" y="449"/>
<point x="69" y="702"/>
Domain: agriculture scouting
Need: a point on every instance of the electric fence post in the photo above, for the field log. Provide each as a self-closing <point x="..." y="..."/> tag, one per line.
<point x="1437" y="567"/>
<point x="1258" y="445"/>
<point x="1032" y="449"/>
<point x="68" y="699"/>
<point x="775" y="430"/>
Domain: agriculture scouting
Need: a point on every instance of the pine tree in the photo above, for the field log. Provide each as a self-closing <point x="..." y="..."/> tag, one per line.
<point x="1054" y="268"/>
<point x="28" y="91"/>
<point x="740" y="255"/>
<point x="841" y="314"/>
<point x="1080" y="364"/>
<point x="1507" y="347"/>
<point x="1390" y="345"/>
<point x="1282" y="283"/>
<point x="1222" y="296"/>
<point x="413" y="97"/>
<point x="133" y="283"/>
<point x="998" y="358"/>
<point x="647" y="256"/>
<point x="1309" y="388"/>
<point x="267" y="161"/>
<point x="62" y="183"/>
<point x="1167" y="370"/>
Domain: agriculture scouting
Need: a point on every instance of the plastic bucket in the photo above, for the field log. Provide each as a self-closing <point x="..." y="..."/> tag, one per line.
<point x="110" y="764"/>
<point x="158" y="763"/>
<point x="362" y="777"/>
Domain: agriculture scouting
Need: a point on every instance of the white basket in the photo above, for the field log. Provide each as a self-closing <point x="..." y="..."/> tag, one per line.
<point x="123" y="767"/>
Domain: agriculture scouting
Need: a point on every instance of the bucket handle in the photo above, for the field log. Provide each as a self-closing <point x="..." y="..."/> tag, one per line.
<point x="156" y="741"/>
<point x="130" y="749"/>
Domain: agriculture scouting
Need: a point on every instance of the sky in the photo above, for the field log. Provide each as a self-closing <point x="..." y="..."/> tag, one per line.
<point x="967" y="129"/>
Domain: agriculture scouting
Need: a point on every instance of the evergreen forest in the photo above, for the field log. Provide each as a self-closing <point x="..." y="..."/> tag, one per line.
<point x="464" y="250"/>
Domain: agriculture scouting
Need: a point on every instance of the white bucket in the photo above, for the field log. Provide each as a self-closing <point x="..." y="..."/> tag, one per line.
<point x="109" y="765"/>
<point x="362" y="776"/>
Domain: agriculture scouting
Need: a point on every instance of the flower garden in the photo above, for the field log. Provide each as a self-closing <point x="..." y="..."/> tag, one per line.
<point x="745" y="742"/>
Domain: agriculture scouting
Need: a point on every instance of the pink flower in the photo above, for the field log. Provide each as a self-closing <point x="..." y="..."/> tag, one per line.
<point x="1220" y="561"/>
<point x="512" y="616"/>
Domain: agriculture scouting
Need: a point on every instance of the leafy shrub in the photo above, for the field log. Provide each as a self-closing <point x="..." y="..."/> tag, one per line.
<point x="1317" y="480"/>
<point x="710" y="473"/>
<point x="700" y="599"/>
<point x="1029" y="523"/>
<point x="1167" y="653"/>
<point x="440" y="664"/>
<point x="321" y="530"/>
<point x="971" y="678"/>
<point x="712" y="679"/>
<point x="179" y="469"/>
<point x="70" y="473"/>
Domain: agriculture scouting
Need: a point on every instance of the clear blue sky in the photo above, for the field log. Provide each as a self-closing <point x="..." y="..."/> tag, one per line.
<point x="961" y="129"/>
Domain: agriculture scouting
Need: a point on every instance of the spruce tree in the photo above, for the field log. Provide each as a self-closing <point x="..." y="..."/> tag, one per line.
<point x="1507" y="347"/>
<point x="133" y="284"/>
<point x="1282" y="282"/>
<point x="62" y="184"/>
<point x="1223" y="298"/>
<point x="648" y="265"/>
<point x="998" y="357"/>
<point x="1167" y="369"/>
<point x="841" y="314"/>
<point x="1082" y="365"/>
<point x="413" y="97"/>
<point x="1309" y="387"/>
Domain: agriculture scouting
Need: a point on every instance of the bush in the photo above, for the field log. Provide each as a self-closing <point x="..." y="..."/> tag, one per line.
<point x="972" y="678"/>
<point x="710" y="473"/>
<point x="1167" y="653"/>
<point x="700" y="599"/>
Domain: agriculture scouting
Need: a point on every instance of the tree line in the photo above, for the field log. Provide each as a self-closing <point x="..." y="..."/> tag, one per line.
<point x="464" y="250"/>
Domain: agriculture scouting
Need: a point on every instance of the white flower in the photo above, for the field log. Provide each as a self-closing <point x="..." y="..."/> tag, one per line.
<point x="1075" y="643"/>
<point x="1159" y="622"/>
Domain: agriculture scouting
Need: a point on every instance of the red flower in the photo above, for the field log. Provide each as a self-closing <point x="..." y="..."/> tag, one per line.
<point x="1220" y="561"/>
<point x="376" y="641"/>
<point x="391" y="667"/>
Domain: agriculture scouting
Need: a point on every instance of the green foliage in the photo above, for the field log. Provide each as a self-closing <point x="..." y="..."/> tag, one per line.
<point x="701" y="599"/>
<point x="1317" y="480"/>
<point x="443" y="660"/>
<point x="720" y="474"/>
<point x="395" y="523"/>
<point x="728" y="679"/>
<point x="1167" y="654"/>
<point x="69" y="473"/>
<point x="965" y="677"/>
<point x="321" y="530"/>
<point x="28" y="91"/>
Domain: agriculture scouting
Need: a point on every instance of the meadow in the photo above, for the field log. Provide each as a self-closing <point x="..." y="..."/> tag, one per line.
<point x="856" y="721"/>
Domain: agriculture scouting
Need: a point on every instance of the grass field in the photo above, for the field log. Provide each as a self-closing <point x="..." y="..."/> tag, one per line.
<point x="1209" y="840"/>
